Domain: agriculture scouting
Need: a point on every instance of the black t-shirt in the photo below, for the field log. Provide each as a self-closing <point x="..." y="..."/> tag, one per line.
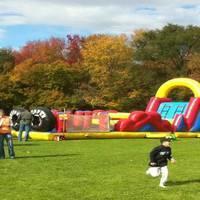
<point x="160" y="155"/>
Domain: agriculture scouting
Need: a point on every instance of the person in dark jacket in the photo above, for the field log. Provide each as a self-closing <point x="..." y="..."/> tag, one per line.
<point x="25" y="124"/>
<point x="159" y="157"/>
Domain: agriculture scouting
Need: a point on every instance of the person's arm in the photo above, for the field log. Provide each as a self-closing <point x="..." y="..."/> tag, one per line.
<point x="1" y="122"/>
<point x="172" y="160"/>
<point x="9" y="122"/>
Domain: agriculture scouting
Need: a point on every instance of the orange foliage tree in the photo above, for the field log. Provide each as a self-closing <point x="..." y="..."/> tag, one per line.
<point x="41" y="51"/>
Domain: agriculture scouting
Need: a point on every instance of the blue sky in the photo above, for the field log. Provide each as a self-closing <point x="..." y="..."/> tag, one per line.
<point x="17" y="35"/>
<point x="27" y="20"/>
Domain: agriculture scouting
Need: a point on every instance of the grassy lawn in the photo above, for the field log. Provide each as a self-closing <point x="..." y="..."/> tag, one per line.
<point x="97" y="170"/>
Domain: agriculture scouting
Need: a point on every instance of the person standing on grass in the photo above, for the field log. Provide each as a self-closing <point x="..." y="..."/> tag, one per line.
<point x="25" y="124"/>
<point x="159" y="157"/>
<point x="5" y="134"/>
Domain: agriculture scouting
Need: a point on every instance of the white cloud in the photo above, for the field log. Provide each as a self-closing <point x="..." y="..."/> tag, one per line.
<point x="112" y="16"/>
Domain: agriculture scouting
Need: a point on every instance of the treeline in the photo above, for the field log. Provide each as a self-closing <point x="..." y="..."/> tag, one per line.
<point x="99" y="71"/>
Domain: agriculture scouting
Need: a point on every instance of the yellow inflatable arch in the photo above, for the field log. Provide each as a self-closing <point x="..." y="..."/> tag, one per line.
<point x="166" y="88"/>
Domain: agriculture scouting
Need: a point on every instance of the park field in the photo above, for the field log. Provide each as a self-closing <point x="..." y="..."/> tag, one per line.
<point x="97" y="170"/>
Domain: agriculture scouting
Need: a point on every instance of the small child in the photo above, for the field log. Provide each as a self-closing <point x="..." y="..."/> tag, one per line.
<point x="159" y="157"/>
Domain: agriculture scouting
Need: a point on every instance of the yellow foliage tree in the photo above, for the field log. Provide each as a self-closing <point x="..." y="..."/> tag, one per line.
<point x="108" y="59"/>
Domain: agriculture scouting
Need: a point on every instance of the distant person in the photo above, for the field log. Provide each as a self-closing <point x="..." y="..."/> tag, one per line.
<point x="159" y="157"/>
<point x="25" y="124"/>
<point x="5" y="134"/>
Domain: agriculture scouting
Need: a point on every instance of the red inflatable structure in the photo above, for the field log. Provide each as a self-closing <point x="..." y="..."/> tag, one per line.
<point x="143" y="121"/>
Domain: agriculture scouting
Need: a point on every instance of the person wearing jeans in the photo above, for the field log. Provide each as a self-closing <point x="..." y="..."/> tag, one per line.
<point x="5" y="134"/>
<point x="25" y="125"/>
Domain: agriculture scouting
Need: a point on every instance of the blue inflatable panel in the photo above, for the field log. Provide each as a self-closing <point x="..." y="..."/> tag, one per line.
<point x="196" y="126"/>
<point x="168" y="110"/>
<point x="147" y="127"/>
<point x="182" y="126"/>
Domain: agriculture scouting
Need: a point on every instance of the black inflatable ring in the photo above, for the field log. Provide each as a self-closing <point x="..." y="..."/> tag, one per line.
<point x="15" y="116"/>
<point x="43" y="119"/>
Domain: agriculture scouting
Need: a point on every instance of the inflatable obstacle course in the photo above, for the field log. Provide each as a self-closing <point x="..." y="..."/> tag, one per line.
<point x="44" y="136"/>
<point x="161" y="117"/>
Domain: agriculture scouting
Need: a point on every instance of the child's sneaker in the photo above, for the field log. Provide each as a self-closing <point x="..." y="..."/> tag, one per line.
<point x="162" y="186"/>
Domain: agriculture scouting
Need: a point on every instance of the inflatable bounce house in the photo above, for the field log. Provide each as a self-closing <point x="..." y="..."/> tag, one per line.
<point x="162" y="117"/>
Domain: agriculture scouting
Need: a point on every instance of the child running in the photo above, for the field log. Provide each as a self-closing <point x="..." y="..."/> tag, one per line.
<point x="159" y="157"/>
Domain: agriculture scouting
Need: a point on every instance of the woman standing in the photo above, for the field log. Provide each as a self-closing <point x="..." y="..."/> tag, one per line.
<point x="5" y="133"/>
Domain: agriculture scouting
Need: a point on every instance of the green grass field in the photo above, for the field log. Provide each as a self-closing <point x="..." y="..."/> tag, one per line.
<point x="97" y="170"/>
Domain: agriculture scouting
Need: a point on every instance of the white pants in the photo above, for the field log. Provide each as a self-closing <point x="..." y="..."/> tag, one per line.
<point x="157" y="171"/>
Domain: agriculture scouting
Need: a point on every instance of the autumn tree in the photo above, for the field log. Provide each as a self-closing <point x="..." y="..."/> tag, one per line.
<point x="99" y="71"/>
<point x="108" y="59"/>
<point x="43" y="84"/>
<point x="46" y="51"/>
<point x="7" y="61"/>
<point x="6" y="65"/>
<point x="72" y="50"/>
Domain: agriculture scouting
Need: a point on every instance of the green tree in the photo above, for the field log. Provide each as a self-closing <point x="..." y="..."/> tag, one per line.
<point x="169" y="47"/>
<point x="164" y="54"/>
<point x="194" y="66"/>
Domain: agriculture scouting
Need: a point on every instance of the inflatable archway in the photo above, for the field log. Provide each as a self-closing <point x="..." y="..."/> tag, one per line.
<point x="168" y="86"/>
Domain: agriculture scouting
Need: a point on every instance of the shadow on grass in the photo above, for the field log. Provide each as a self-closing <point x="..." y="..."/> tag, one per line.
<point x="185" y="182"/>
<point x="26" y="144"/>
<point x="47" y="156"/>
